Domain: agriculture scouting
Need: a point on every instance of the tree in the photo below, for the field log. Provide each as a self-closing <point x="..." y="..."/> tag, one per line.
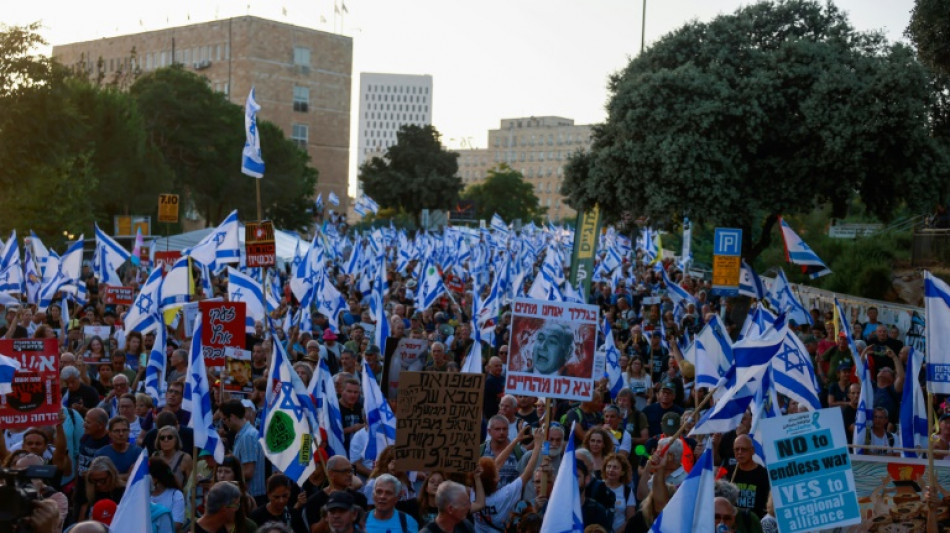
<point x="929" y="30"/>
<point x="200" y="135"/>
<point x="505" y="192"/>
<point x="768" y="111"/>
<point x="417" y="172"/>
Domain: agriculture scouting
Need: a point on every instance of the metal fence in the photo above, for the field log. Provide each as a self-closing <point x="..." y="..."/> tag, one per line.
<point x="931" y="247"/>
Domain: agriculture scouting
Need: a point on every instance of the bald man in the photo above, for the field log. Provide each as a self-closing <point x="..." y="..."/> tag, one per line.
<point x="751" y="477"/>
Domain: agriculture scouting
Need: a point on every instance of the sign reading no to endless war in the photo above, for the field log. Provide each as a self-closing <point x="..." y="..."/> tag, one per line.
<point x="438" y="421"/>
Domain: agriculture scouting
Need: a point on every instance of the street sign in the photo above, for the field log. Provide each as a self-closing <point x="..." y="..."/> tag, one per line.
<point x="168" y="208"/>
<point x="259" y="244"/>
<point x="727" y="261"/>
<point x="127" y="225"/>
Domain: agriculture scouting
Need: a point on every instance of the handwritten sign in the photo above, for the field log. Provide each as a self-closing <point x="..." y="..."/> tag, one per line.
<point x="112" y="295"/>
<point x="222" y="326"/>
<point x="438" y="421"/>
<point x="552" y="349"/>
<point x="35" y="400"/>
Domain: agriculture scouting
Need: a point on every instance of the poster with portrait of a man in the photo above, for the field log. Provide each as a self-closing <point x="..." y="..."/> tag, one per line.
<point x="551" y="352"/>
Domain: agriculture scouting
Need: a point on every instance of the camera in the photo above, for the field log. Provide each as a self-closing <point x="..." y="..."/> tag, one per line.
<point x="17" y="494"/>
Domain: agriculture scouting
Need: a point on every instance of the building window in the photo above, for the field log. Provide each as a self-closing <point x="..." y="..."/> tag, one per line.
<point x="301" y="98"/>
<point x="299" y="135"/>
<point x="301" y="56"/>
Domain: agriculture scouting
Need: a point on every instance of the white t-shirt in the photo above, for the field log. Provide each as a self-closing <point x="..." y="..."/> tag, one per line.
<point x="174" y="501"/>
<point x="620" y="506"/>
<point x="639" y="386"/>
<point x="498" y="506"/>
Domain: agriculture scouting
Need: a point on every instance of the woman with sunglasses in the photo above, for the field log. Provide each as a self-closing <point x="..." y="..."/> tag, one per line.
<point x="168" y="448"/>
<point x="102" y="483"/>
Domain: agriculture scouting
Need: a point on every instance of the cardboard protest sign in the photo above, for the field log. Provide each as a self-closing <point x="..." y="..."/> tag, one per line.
<point x="35" y="400"/>
<point x="438" y="421"/>
<point x="222" y="327"/>
<point x="810" y="470"/>
<point x="552" y="349"/>
<point x="891" y="489"/>
<point x="112" y="295"/>
<point x="410" y="354"/>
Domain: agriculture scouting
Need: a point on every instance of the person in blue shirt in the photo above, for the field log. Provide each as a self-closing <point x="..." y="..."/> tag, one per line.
<point x="121" y="451"/>
<point x="385" y="518"/>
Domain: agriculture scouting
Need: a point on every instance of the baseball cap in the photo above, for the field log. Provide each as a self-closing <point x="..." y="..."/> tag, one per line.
<point x="945" y="416"/>
<point x="670" y="423"/>
<point x="103" y="511"/>
<point x="668" y="385"/>
<point x="329" y="335"/>
<point x="842" y="335"/>
<point x="373" y="349"/>
<point x="340" y="499"/>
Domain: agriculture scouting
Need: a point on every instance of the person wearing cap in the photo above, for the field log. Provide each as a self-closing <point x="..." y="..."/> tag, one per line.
<point x="341" y="513"/>
<point x="371" y="356"/>
<point x="838" y="390"/>
<point x="751" y="478"/>
<point x="839" y="354"/>
<point x="664" y="404"/>
<point x="331" y="350"/>
<point x="340" y="472"/>
<point x="104" y="511"/>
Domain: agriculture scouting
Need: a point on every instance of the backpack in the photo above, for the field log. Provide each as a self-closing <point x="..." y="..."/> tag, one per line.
<point x="577" y="411"/>
<point x="161" y="518"/>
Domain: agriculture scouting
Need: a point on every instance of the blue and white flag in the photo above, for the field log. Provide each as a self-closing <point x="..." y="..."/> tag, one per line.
<point x="381" y="333"/>
<point x="333" y="199"/>
<point x="793" y="373"/>
<point x="290" y="426"/>
<point x="252" y="162"/>
<point x="11" y="271"/>
<point x="798" y="253"/>
<point x="937" y="312"/>
<point x="330" y="303"/>
<point x="692" y="507"/>
<point x="380" y="420"/>
<point x="144" y="315"/>
<point x="865" y="410"/>
<point x="109" y="256"/>
<point x="32" y="278"/>
<point x="913" y="415"/>
<point x="197" y="399"/>
<point x="430" y="287"/>
<point x="40" y="252"/>
<point x="155" y="385"/>
<point x="369" y="203"/>
<point x="223" y="245"/>
<point x="62" y="274"/>
<point x="319" y="202"/>
<point x="498" y="224"/>
<point x="8" y="367"/>
<point x="782" y="300"/>
<point x="750" y="284"/>
<point x="764" y="405"/>
<point x="175" y="289"/>
<point x="679" y="296"/>
<point x="131" y="515"/>
<point x="564" y="506"/>
<point x="243" y="288"/>
<point x="711" y="354"/>
<point x="329" y="418"/>
<point x="613" y="372"/>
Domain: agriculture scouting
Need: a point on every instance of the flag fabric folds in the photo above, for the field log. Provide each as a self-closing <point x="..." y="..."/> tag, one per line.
<point x="692" y="506"/>
<point x="613" y="373"/>
<point x="144" y="314"/>
<point x="937" y="309"/>
<point x="243" y="288"/>
<point x="798" y="253"/>
<point x="155" y="385"/>
<point x="913" y="409"/>
<point x="197" y="400"/>
<point x="793" y="373"/>
<point x="323" y="392"/>
<point x="565" y="495"/>
<point x="252" y="162"/>
<point x="8" y="367"/>
<point x="750" y="284"/>
<point x="782" y="300"/>
<point x="131" y="515"/>
<point x="109" y="256"/>
<point x="333" y="199"/>
<point x="380" y="420"/>
<point x="865" y="411"/>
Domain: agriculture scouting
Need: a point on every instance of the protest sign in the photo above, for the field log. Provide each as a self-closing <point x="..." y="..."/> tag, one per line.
<point x="166" y="259"/>
<point x="438" y="421"/>
<point x="552" y="349"/>
<point x="113" y="295"/>
<point x="237" y="378"/>
<point x="103" y="332"/>
<point x="223" y="327"/>
<point x="810" y="470"/>
<point x="410" y="354"/>
<point x="35" y="400"/>
<point x="890" y="491"/>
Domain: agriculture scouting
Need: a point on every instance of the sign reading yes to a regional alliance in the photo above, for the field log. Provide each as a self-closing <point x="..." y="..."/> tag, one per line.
<point x="810" y="470"/>
<point x="552" y="349"/>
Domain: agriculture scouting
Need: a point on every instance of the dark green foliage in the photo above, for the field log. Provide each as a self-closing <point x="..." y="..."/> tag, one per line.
<point x="505" y="192"/>
<point x="929" y="30"/>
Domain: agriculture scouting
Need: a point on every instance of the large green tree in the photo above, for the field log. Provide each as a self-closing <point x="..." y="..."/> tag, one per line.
<point x="505" y="192"/>
<point x="417" y="173"/>
<point x="200" y="135"/>
<point x="771" y="110"/>
<point x="930" y="32"/>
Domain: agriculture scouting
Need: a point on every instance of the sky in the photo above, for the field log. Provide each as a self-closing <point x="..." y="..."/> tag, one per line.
<point x="489" y="59"/>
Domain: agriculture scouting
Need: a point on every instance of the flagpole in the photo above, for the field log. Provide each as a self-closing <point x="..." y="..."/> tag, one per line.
<point x="545" y="424"/>
<point x="257" y="182"/>
<point x="679" y="431"/>
<point x="932" y="477"/>
<point x="194" y="488"/>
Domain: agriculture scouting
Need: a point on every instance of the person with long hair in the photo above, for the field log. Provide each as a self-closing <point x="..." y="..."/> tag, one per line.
<point x="276" y="509"/>
<point x="617" y="477"/>
<point x="231" y="470"/>
<point x="639" y="381"/>
<point x="168" y="448"/>
<point x="500" y="501"/>
<point x="102" y="483"/>
<point x="166" y="491"/>
<point x="427" y="508"/>
<point x="598" y="442"/>
<point x="93" y="354"/>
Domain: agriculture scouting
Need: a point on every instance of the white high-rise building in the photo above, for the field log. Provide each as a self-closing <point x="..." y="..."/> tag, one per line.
<point x="387" y="102"/>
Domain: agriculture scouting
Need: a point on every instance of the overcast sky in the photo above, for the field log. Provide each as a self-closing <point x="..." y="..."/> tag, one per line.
<point x="489" y="59"/>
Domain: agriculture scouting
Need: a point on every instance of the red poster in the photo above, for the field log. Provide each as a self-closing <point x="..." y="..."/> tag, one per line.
<point x="222" y="326"/>
<point x="112" y="295"/>
<point x="35" y="400"/>
<point x="166" y="258"/>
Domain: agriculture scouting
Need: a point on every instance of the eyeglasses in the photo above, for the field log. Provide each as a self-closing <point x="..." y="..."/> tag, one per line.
<point x="166" y="437"/>
<point x="120" y="430"/>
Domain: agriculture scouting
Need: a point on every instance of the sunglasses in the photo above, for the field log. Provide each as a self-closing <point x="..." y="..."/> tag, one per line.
<point x="167" y="437"/>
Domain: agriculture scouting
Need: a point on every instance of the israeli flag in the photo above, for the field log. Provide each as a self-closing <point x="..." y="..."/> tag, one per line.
<point x="155" y="385"/>
<point x="913" y="409"/>
<point x="109" y="256"/>
<point x="798" y="253"/>
<point x="11" y="271"/>
<point x="33" y="279"/>
<point x="197" y="400"/>
<point x="40" y="252"/>
<point x="564" y="505"/>
<point x="381" y="333"/>
<point x="63" y="274"/>
<point x="144" y="315"/>
<point x="330" y="303"/>
<point x="431" y="286"/>
<point x="175" y="290"/>
<point x="380" y="420"/>
<point x="369" y="203"/>
<point x="323" y="392"/>
<point x="360" y="209"/>
<point x="8" y="367"/>
<point x="781" y="298"/>
<point x="252" y="163"/>
<point x="498" y="224"/>
<point x="764" y="405"/>
<point x="223" y="245"/>
<point x="865" y="411"/>
<point x="937" y="310"/>
<point x="750" y="284"/>
<point x="319" y="202"/>
<point x="243" y="288"/>
<point x="290" y="424"/>
<point x="793" y="373"/>
<point x="692" y="507"/>
<point x="613" y="373"/>
<point x="333" y="199"/>
<point x="678" y="295"/>
<point x="135" y="506"/>
<point x="711" y="354"/>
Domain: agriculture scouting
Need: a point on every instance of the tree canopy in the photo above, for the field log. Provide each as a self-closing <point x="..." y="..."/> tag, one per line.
<point x="505" y="192"/>
<point x="417" y="173"/>
<point x="768" y="111"/>
<point x="929" y="30"/>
